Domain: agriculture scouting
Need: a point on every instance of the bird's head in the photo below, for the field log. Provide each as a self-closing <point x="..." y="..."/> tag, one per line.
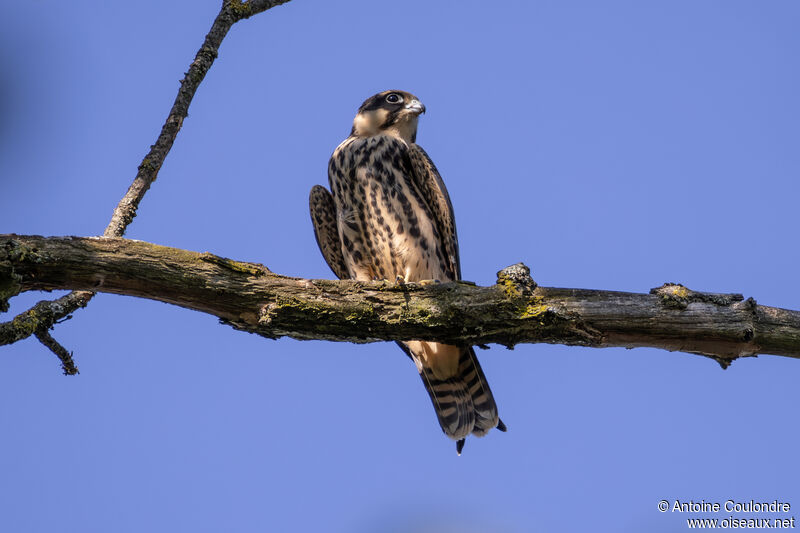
<point x="392" y="113"/>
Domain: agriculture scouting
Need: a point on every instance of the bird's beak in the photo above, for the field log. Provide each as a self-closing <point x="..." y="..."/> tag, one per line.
<point x="415" y="106"/>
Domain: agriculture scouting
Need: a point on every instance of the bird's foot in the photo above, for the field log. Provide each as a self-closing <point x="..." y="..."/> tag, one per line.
<point x="400" y="280"/>
<point x="425" y="282"/>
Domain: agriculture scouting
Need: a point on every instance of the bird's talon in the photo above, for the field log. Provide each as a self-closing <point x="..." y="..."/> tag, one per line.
<point x="400" y="280"/>
<point x="425" y="282"/>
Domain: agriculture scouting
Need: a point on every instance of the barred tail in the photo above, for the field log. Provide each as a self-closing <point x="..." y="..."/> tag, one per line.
<point x="452" y="403"/>
<point x="463" y="402"/>
<point x="471" y="373"/>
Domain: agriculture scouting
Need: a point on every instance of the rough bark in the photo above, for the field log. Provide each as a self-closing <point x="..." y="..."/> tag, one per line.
<point x="249" y="297"/>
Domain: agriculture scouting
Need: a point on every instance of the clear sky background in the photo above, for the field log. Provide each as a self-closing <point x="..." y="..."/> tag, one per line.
<point x="608" y="145"/>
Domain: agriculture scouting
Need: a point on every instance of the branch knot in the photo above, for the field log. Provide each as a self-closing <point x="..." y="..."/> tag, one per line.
<point x="517" y="280"/>
<point x="677" y="296"/>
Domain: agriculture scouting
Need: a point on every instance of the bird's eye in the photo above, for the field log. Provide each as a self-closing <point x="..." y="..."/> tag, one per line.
<point x="394" y="98"/>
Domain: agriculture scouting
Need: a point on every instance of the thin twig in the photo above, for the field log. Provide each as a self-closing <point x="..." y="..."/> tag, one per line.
<point x="67" y="364"/>
<point x="42" y="316"/>
<point x="231" y="12"/>
<point x="46" y="313"/>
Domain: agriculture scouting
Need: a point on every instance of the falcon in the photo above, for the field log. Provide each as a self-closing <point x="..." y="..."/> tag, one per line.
<point x="388" y="217"/>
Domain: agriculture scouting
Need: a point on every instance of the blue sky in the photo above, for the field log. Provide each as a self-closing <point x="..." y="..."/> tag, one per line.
<point x="610" y="145"/>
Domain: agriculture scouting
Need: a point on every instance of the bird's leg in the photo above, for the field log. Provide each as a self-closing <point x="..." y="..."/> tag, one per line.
<point x="398" y="280"/>
<point x="401" y="280"/>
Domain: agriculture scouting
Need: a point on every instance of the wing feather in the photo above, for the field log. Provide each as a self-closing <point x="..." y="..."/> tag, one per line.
<point x="435" y="194"/>
<point x="323" y="216"/>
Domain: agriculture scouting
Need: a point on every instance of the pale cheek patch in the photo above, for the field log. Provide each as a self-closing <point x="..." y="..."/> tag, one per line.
<point x="361" y="124"/>
<point x="369" y="123"/>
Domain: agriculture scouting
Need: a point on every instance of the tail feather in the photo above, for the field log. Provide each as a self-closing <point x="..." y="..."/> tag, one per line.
<point x="452" y="402"/>
<point x="486" y="416"/>
<point x="463" y="402"/>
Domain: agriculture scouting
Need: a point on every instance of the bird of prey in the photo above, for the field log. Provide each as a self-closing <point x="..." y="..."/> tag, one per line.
<point x="388" y="217"/>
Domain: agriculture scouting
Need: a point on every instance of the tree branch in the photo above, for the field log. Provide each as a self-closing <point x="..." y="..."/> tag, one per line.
<point x="45" y="314"/>
<point x="39" y="317"/>
<point x="232" y="12"/>
<point x="65" y="356"/>
<point x="249" y="297"/>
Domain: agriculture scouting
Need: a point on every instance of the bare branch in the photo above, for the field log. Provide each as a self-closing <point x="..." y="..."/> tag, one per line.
<point x="45" y="314"/>
<point x="232" y="11"/>
<point x="249" y="297"/>
<point x="41" y="316"/>
<point x="67" y="364"/>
